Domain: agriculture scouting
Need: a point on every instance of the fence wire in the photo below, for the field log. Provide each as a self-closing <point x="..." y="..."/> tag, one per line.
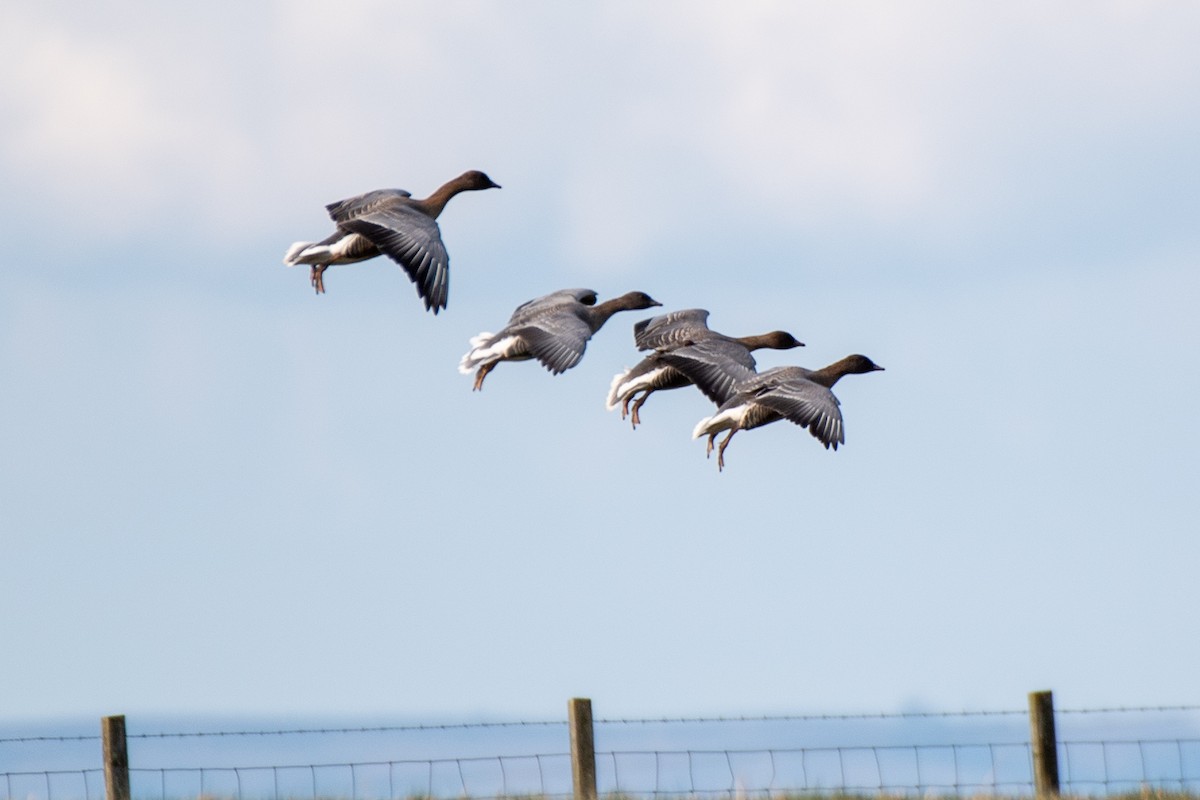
<point x="636" y="758"/>
<point x="464" y="726"/>
<point x="482" y="777"/>
<point x="1089" y="768"/>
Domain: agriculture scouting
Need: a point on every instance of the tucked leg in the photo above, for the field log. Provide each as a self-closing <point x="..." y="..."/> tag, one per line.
<point x="721" y="450"/>
<point x="315" y="276"/>
<point x="482" y="373"/>
<point x="637" y="420"/>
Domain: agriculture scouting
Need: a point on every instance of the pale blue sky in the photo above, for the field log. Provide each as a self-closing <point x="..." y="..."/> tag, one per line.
<point x="222" y="494"/>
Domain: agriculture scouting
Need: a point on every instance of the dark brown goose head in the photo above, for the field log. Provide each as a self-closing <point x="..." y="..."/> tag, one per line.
<point x="775" y="340"/>
<point x="630" y="301"/>
<point x="850" y="365"/>
<point x="474" y="180"/>
<point x="470" y="181"/>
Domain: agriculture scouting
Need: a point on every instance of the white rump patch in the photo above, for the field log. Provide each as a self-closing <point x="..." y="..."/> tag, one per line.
<point x="721" y="421"/>
<point x="614" y="390"/>
<point x="486" y="354"/>
<point x="292" y="258"/>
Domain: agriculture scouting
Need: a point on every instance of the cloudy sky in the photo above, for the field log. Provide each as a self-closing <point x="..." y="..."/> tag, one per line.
<point x="221" y="493"/>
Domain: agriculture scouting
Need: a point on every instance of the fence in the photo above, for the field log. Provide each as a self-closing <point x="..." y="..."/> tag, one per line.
<point x="1013" y="753"/>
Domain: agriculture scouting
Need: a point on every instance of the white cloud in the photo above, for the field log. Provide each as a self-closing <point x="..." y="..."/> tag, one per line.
<point x="81" y="113"/>
<point x="897" y="117"/>
<point x="110" y="131"/>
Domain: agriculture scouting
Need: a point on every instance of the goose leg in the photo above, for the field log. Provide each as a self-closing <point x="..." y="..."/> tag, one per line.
<point x="315" y="276"/>
<point x="637" y="420"/>
<point x="482" y="373"/>
<point x="721" y="449"/>
<point x="708" y="449"/>
<point x="625" y="406"/>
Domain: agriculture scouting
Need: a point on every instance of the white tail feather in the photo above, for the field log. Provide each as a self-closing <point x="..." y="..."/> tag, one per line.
<point x="478" y="354"/>
<point x="721" y="421"/>
<point x="296" y="254"/>
<point x="480" y="339"/>
<point x="614" y="390"/>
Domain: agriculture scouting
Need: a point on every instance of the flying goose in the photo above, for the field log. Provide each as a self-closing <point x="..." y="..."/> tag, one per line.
<point x="391" y="222"/>
<point x="554" y="329"/>
<point x="800" y="395"/>
<point x="672" y="331"/>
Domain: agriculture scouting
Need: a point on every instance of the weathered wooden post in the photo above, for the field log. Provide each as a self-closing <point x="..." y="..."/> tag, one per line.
<point x="1044" y="744"/>
<point x="583" y="748"/>
<point x="116" y="758"/>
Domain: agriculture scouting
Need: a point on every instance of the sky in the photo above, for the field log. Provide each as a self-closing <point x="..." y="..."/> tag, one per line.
<point x="222" y="494"/>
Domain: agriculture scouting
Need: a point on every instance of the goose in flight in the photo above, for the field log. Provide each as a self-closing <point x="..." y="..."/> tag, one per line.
<point x="672" y="331"/>
<point x="553" y="329"/>
<point x="799" y="395"/>
<point x="391" y="222"/>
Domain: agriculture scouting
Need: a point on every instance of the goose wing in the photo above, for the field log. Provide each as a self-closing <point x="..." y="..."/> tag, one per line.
<point x="786" y="391"/>
<point x="553" y="328"/>
<point x="408" y="236"/>
<point x="671" y="330"/>
<point x="555" y="302"/>
<point x="353" y="207"/>
<point x="716" y="365"/>
<point x="556" y="340"/>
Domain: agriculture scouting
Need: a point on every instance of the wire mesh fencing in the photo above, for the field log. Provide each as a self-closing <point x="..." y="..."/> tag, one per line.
<point x="1103" y="752"/>
<point x="476" y="777"/>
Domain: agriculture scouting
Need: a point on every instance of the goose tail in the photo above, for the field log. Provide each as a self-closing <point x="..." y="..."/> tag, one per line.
<point x="723" y="420"/>
<point x="616" y="390"/>
<point x="305" y="253"/>
<point x="479" y="354"/>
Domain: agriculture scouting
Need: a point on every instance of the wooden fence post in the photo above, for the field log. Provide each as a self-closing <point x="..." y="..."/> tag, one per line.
<point x="116" y="758"/>
<point x="1044" y="744"/>
<point x="583" y="748"/>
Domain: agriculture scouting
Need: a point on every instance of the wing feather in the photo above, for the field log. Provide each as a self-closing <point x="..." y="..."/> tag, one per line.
<point x="361" y="204"/>
<point x="557" y="341"/>
<point x="674" y="329"/>
<point x="715" y="365"/>
<point x="807" y="404"/>
<point x="411" y="239"/>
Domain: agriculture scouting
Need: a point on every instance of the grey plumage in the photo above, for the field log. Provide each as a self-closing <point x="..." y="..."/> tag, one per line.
<point x="392" y="223"/>
<point x="800" y="395"/>
<point x="554" y="329"/>
<point x="687" y="351"/>
<point x="673" y="329"/>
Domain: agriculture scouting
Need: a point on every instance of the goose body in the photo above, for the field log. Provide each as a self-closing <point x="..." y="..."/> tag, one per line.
<point x="800" y="395"/>
<point x="687" y="332"/>
<point x="554" y="329"/>
<point x="392" y="223"/>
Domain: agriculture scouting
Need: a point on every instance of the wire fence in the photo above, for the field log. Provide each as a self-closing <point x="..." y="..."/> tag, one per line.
<point x="718" y="757"/>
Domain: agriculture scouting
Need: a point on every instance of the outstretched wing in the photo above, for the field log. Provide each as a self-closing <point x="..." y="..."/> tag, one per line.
<point x="804" y="402"/>
<point x="361" y="204"/>
<point x="715" y="365"/>
<point x="407" y="236"/>
<point x="674" y="329"/>
<point x="559" y="302"/>
<point x="556" y="340"/>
